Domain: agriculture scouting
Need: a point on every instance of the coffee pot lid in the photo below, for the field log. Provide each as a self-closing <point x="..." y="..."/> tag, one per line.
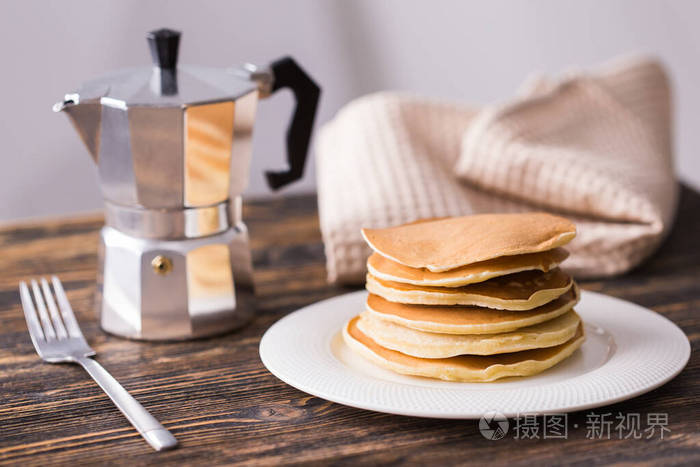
<point x="166" y="84"/>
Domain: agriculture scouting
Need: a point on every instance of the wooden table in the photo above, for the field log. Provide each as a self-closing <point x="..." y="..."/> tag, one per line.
<point x="222" y="404"/>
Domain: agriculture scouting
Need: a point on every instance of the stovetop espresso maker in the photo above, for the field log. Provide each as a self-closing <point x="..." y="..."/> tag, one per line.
<point x="172" y="144"/>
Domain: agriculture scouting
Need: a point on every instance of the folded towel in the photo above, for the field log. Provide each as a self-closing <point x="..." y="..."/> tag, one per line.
<point x="593" y="147"/>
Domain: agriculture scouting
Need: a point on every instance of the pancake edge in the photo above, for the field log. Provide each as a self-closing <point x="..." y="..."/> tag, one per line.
<point x="419" y="297"/>
<point x="484" y="346"/>
<point x="491" y="373"/>
<point x="469" y="279"/>
<point x="429" y="326"/>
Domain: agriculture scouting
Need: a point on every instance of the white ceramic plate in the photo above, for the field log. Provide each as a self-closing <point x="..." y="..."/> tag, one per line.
<point x="629" y="350"/>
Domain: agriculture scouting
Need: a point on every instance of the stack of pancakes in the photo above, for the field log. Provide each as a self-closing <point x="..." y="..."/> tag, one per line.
<point x="472" y="298"/>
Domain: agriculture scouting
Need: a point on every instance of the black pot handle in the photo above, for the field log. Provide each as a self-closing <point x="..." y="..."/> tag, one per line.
<point x="287" y="74"/>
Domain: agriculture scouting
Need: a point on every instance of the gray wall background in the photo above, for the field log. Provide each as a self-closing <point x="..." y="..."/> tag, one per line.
<point x="473" y="51"/>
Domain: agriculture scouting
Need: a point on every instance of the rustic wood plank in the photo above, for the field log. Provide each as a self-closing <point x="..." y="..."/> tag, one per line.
<point x="223" y="406"/>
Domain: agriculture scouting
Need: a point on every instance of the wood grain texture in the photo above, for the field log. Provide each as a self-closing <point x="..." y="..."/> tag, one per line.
<point x="224" y="407"/>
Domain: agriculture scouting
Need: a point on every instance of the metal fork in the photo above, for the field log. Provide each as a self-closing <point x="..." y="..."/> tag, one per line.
<point x="57" y="338"/>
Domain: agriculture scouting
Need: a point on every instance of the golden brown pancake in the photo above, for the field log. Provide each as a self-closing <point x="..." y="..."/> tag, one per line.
<point x="388" y="270"/>
<point x="467" y="368"/>
<point x="444" y="244"/>
<point x="521" y="291"/>
<point x="468" y="319"/>
<point x="435" y="345"/>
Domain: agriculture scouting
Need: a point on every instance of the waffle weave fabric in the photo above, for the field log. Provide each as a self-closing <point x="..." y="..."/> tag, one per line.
<point x="594" y="147"/>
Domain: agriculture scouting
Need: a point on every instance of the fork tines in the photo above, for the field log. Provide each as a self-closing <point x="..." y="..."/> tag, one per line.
<point x="45" y="321"/>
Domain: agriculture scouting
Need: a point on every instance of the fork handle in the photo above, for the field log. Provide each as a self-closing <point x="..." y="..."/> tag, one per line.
<point x="152" y="431"/>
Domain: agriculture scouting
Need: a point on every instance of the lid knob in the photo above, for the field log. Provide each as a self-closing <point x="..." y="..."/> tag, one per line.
<point x="164" y="44"/>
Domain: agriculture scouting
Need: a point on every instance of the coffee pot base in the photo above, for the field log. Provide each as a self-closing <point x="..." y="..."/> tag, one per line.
<point x="150" y="289"/>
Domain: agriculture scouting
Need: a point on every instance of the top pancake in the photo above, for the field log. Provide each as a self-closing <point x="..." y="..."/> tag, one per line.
<point x="445" y="244"/>
<point x="389" y="270"/>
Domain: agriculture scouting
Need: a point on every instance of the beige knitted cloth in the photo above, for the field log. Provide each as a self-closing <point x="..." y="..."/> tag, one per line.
<point x="593" y="147"/>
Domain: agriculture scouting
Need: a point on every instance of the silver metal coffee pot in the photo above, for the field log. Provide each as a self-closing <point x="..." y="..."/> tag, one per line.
<point x="172" y="144"/>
